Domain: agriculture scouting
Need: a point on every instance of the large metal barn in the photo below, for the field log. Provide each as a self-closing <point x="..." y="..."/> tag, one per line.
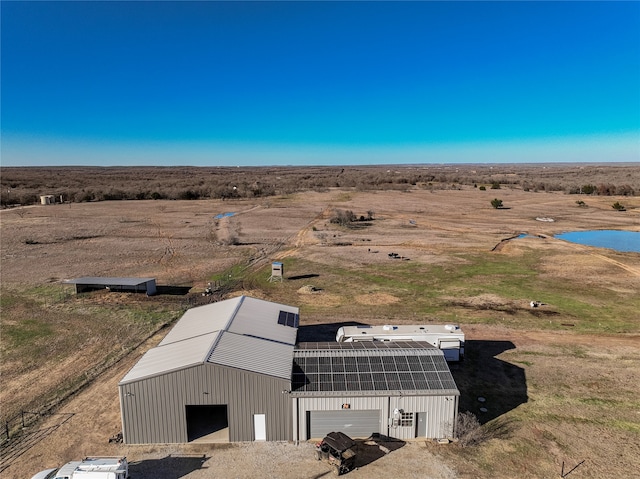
<point x="230" y="371"/>
<point x="221" y="374"/>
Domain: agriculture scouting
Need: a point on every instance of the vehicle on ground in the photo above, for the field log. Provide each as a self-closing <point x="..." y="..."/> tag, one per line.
<point x="95" y="467"/>
<point x="46" y="474"/>
<point x="447" y="337"/>
<point x="338" y="450"/>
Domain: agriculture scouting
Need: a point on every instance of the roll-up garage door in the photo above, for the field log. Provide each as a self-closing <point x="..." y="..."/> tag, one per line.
<point x="352" y="423"/>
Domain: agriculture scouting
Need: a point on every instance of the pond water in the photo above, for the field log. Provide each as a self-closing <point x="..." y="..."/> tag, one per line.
<point x="626" y="241"/>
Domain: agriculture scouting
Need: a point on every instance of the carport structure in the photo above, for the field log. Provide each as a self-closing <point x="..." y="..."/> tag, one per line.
<point x="127" y="285"/>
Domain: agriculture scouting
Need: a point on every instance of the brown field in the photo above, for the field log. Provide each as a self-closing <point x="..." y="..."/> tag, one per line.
<point x="562" y="381"/>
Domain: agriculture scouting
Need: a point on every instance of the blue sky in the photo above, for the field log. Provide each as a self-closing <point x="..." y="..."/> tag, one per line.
<point x="294" y="83"/>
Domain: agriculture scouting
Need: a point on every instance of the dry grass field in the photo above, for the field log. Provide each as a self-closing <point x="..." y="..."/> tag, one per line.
<point x="561" y="381"/>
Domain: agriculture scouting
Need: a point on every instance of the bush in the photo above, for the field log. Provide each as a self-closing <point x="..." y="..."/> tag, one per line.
<point x="496" y="203"/>
<point x="495" y="185"/>
<point x="483" y="188"/>
<point x="342" y="217"/>
<point x="617" y="206"/>
<point x="470" y="432"/>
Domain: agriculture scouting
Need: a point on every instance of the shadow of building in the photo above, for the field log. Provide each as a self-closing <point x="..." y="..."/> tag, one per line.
<point x="169" y="467"/>
<point x="502" y="385"/>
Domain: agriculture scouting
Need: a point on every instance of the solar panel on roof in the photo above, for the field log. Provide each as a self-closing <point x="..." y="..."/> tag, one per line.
<point x="401" y="363"/>
<point x="324" y="368"/>
<point x="363" y="364"/>
<point x="448" y="383"/>
<point x="325" y="387"/>
<point x="440" y="363"/>
<point x="354" y="386"/>
<point x="427" y="363"/>
<point x="287" y="318"/>
<point x="350" y="365"/>
<point x="337" y="364"/>
<point x="376" y="364"/>
<point x="388" y="363"/>
<point x="352" y="378"/>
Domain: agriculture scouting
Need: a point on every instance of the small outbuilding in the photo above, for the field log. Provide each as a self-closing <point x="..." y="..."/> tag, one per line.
<point x="47" y="199"/>
<point x="401" y="389"/>
<point x="126" y="285"/>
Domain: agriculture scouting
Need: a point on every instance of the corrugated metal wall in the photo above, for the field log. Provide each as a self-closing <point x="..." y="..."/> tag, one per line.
<point x="441" y="413"/>
<point x="153" y="409"/>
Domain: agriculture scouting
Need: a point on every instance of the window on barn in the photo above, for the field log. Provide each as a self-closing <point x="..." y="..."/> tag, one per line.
<point x="406" y="419"/>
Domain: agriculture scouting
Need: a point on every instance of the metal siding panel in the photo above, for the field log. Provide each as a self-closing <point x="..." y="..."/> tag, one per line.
<point x="156" y="413"/>
<point x="440" y="415"/>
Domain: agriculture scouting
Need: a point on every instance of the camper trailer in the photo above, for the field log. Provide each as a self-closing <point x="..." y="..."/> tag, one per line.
<point x="447" y="337"/>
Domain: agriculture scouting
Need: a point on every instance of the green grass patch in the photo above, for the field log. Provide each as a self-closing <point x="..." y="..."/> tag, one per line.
<point x="440" y="291"/>
<point x="27" y="332"/>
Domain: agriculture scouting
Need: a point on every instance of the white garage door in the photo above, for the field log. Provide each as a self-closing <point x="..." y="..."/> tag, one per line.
<point x="352" y="423"/>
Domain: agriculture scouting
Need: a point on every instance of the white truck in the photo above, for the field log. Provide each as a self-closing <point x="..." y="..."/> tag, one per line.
<point x="447" y="337"/>
<point x="95" y="467"/>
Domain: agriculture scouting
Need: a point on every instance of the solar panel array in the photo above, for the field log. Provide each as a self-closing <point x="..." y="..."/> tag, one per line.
<point x="370" y="369"/>
<point x="288" y="319"/>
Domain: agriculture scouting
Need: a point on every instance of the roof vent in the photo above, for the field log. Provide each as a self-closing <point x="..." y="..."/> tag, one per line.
<point x="451" y="327"/>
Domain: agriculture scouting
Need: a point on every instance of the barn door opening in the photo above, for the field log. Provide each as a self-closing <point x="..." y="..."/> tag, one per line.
<point x="207" y="423"/>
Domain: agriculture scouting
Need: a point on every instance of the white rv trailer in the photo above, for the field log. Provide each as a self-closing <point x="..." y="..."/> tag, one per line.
<point x="447" y="337"/>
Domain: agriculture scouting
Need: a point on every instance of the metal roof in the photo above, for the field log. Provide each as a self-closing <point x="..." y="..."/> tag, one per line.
<point x="172" y="357"/>
<point x="253" y="354"/>
<point x="203" y="320"/>
<point x="371" y="368"/>
<point x="107" y="281"/>
<point x="256" y="317"/>
<point x="242" y="333"/>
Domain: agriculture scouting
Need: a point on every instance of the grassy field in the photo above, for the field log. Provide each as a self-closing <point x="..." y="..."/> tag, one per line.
<point x="561" y="381"/>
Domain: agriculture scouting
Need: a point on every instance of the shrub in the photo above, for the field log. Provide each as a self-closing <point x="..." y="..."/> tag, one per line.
<point x="343" y="217"/>
<point x="469" y="430"/>
<point x="483" y="188"/>
<point x="617" y="206"/>
<point x="496" y="203"/>
<point x="495" y="185"/>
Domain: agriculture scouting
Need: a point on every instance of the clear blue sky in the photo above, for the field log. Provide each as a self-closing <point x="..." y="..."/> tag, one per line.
<point x="262" y="83"/>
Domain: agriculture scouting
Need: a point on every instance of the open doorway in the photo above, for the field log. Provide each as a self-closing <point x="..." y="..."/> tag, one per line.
<point x="207" y="423"/>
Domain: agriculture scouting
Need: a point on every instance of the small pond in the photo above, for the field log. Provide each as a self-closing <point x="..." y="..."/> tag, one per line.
<point x="625" y="241"/>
